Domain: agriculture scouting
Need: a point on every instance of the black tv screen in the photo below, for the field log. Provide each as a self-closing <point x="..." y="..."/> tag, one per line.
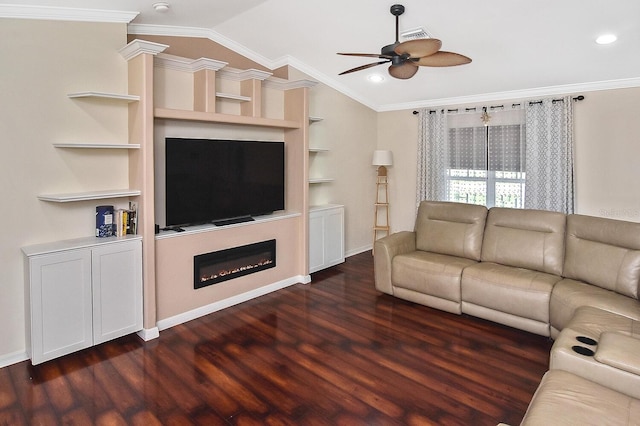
<point x="209" y="180"/>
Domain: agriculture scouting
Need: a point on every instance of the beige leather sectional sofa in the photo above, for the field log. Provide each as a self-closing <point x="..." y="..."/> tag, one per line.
<point x="574" y="278"/>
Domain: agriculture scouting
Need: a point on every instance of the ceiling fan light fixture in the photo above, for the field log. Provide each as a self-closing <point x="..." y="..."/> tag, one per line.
<point x="405" y="57"/>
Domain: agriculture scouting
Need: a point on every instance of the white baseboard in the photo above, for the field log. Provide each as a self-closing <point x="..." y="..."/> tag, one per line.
<point x="231" y="301"/>
<point x="13" y="358"/>
<point x="147" y="334"/>
<point x="359" y="250"/>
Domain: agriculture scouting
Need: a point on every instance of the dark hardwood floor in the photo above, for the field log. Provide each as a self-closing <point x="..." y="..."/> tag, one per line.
<point x="335" y="352"/>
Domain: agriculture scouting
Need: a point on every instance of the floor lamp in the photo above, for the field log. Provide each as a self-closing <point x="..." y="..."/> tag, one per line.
<point x="382" y="159"/>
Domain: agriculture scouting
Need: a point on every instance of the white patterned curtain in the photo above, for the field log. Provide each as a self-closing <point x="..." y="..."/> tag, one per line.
<point x="549" y="155"/>
<point x="432" y="158"/>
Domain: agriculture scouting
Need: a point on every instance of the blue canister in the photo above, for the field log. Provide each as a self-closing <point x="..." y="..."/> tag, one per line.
<point x="105" y="226"/>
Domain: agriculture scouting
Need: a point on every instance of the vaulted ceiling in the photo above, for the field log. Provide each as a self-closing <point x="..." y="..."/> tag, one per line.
<point x="519" y="48"/>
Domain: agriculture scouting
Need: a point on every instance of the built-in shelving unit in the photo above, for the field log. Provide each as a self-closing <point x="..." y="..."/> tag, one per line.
<point x="102" y="194"/>
<point x="316" y="150"/>
<point x="92" y="195"/>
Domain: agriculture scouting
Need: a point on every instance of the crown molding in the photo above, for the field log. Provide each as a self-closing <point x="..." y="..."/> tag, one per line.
<point x="65" y="14"/>
<point x="517" y="94"/>
<point x="282" y="84"/>
<point x="178" y="63"/>
<point x="137" y="47"/>
<point x="235" y="74"/>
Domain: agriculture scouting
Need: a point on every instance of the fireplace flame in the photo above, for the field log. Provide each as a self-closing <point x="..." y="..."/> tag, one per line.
<point x="225" y="272"/>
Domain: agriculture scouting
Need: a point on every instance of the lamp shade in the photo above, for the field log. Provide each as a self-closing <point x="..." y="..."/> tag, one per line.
<point x="382" y="158"/>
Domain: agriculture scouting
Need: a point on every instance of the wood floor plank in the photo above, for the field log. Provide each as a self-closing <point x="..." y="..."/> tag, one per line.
<point x="334" y="352"/>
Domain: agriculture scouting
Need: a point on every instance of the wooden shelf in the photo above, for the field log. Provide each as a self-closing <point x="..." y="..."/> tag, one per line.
<point x="233" y="97"/>
<point x="102" y="95"/>
<point x="98" y="145"/>
<point x="214" y="117"/>
<point x="320" y="180"/>
<point x="93" y="195"/>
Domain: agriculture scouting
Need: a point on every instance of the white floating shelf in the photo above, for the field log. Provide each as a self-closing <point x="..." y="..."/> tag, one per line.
<point x="98" y="145"/>
<point x="315" y="119"/>
<point x="94" y="195"/>
<point x="318" y="150"/>
<point x="320" y="180"/>
<point x="102" y="95"/>
<point x="233" y="97"/>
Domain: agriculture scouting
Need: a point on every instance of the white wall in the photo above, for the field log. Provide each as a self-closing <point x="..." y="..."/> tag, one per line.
<point x="607" y="149"/>
<point x="42" y="61"/>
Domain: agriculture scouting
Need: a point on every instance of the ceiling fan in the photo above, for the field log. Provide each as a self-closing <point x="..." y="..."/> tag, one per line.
<point x="405" y="57"/>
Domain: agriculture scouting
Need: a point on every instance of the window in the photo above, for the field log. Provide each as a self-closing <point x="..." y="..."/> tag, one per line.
<point x="485" y="165"/>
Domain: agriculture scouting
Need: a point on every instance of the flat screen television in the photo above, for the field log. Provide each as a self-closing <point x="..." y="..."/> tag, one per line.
<point x="212" y="180"/>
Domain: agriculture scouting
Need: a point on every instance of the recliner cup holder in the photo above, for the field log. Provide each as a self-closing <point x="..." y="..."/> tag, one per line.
<point x="582" y="350"/>
<point x="586" y="340"/>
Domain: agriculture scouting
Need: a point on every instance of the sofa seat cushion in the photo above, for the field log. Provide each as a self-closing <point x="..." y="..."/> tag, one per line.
<point x="564" y="398"/>
<point x="569" y="295"/>
<point x="516" y="291"/>
<point x="430" y="273"/>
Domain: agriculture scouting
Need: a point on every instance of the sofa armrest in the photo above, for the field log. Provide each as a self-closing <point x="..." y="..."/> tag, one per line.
<point x="385" y="249"/>
<point x="619" y="351"/>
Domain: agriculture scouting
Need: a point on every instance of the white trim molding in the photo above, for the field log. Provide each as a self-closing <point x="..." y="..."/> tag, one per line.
<point x="231" y="301"/>
<point x="13" y="358"/>
<point x="147" y="334"/>
<point x="518" y="94"/>
<point x="137" y="47"/>
<point x="65" y="14"/>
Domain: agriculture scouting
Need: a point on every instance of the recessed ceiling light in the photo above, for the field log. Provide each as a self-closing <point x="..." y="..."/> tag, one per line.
<point x="375" y="78"/>
<point x="606" y="39"/>
<point x="161" y="6"/>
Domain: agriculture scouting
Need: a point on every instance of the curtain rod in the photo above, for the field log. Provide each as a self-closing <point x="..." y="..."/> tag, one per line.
<point x="577" y="98"/>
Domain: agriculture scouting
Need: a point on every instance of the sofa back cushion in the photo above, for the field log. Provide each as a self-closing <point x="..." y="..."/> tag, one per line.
<point x="450" y="228"/>
<point x="604" y="252"/>
<point x="532" y="239"/>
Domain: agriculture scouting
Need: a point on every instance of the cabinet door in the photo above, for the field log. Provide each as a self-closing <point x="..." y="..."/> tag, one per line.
<point x="117" y="290"/>
<point x="334" y="237"/>
<point x="60" y="293"/>
<point x="316" y="241"/>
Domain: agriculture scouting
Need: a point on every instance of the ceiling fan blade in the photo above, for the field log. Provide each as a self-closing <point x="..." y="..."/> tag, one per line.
<point x="403" y="71"/>
<point x="363" y="67"/>
<point x="418" y="48"/>
<point x="442" y="59"/>
<point x="367" y="55"/>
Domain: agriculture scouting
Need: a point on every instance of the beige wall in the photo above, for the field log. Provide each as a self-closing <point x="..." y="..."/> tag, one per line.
<point x="607" y="153"/>
<point x="607" y="166"/>
<point x="42" y="61"/>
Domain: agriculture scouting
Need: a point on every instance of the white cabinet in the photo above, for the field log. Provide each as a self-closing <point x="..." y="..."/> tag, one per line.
<point x="326" y="236"/>
<point x="80" y="293"/>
